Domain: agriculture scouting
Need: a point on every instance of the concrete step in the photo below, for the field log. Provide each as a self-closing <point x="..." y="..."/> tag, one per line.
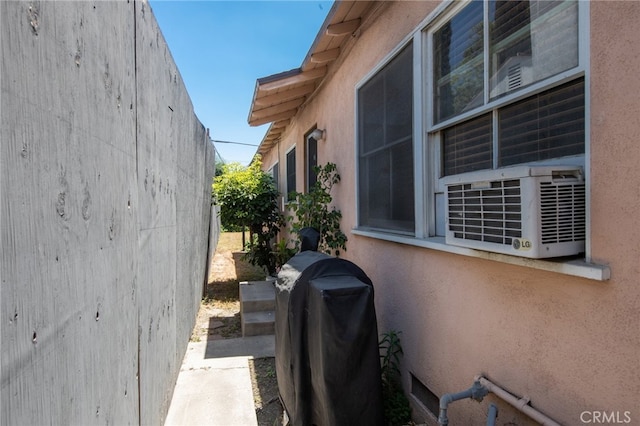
<point x="258" y="323"/>
<point x="257" y="308"/>
<point x="256" y="296"/>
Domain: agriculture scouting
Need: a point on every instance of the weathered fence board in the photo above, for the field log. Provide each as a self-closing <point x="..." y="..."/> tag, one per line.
<point x="105" y="184"/>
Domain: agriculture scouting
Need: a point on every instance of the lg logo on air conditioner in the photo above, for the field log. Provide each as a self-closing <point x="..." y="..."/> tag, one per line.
<point x="605" y="417"/>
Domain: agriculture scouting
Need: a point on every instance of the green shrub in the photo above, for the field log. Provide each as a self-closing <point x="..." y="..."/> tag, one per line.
<point x="248" y="198"/>
<point x="311" y="210"/>
<point x="397" y="410"/>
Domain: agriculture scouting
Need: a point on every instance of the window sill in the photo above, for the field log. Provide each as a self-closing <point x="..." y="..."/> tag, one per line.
<point x="574" y="267"/>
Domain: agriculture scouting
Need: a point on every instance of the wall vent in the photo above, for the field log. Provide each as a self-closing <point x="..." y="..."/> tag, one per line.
<point x="426" y="397"/>
<point x="535" y="212"/>
<point x="514" y="77"/>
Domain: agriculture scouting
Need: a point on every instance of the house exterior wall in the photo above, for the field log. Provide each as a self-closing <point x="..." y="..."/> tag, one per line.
<point x="105" y="211"/>
<point x="568" y="343"/>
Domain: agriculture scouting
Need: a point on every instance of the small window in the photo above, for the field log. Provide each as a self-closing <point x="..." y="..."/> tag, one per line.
<point x="275" y="174"/>
<point x="311" y="145"/>
<point x="385" y="147"/>
<point x="291" y="172"/>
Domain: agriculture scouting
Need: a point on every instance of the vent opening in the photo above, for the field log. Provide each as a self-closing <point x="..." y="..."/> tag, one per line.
<point x="514" y="77"/>
<point x="423" y="394"/>
<point x="492" y="214"/>
<point x="562" y="212"/>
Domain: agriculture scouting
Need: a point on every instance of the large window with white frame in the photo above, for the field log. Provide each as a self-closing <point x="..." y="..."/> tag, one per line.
<point x="507" y="88"/>
<point x="385" y="147"/>
<point x="503" y="83"/>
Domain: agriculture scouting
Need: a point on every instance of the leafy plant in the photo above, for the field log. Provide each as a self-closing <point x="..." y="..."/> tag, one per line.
<point x="397" y="410"/>
<point x="312" y="210"/>
<point x="248" y="197"/>
<point x="282" y="253"/>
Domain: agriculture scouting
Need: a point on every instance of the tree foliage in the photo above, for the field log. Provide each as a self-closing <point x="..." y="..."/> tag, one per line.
<point x="248" y="198"/>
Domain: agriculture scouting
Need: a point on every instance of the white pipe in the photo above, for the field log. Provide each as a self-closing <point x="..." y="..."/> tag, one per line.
<point x="521" y="404"/>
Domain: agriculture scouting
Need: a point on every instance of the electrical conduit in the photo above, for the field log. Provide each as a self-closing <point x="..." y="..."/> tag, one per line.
<point x="477" y="392"/>
<point x="481" y="387"/>
<point x="521" y="404"/>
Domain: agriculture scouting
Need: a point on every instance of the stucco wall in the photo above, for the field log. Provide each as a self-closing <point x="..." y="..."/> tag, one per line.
<point x="105" y="205"/>
<point x="568" y="343"/>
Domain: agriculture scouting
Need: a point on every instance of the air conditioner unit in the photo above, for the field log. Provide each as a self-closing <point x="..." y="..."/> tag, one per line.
<point x="534" y="212"/>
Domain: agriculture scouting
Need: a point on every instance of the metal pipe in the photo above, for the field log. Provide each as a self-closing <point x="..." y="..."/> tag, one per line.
<point x="521" y="404"/>
<point x="477" y="392"/>
<point x="492" y="415"/>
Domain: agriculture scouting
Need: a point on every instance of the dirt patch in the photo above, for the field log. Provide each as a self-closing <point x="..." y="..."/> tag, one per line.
<point x="219" y="318"/>
<point x="265" y="391"/>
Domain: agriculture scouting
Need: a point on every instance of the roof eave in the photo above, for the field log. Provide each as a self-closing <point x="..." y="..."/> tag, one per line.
<point x="278" y="97"/>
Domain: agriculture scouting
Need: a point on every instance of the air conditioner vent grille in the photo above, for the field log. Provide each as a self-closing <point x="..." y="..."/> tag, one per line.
<point x="514" y="77"/>
<point x="528" y="211"/>
<point x="562" y="212"/>
<point x="491" y="214"/>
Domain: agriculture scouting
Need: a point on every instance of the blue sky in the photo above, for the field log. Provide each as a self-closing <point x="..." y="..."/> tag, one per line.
<point x="222" y="47"/>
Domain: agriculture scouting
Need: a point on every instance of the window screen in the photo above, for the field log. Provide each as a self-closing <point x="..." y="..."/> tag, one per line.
<point x="385" y="147"/>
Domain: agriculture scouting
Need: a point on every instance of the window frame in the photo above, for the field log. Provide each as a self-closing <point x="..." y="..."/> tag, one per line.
<point x="415" y="133"/>
<point x="427" y="153"/>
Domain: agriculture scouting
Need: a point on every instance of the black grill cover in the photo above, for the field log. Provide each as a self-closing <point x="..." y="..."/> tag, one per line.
<point x="327" y="357"/>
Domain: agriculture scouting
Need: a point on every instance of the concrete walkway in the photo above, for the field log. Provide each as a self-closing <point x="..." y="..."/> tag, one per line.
<point x="214" y="384"/>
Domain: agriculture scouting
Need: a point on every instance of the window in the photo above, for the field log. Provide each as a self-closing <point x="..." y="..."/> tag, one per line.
<point x="312" y="161"/>
<point x="275" y="173"/>
<point x="543" y="126"/>
<point x="291" y="172"/>
<point x="489" y="60"/>
<point x="507" y="89"/>
<point x="385" y="147"/>
<point x="458" y="63"/>
<point x="498" y="87"/>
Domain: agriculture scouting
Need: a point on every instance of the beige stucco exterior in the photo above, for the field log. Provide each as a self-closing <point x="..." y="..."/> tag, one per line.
<point x="570" y="344"/>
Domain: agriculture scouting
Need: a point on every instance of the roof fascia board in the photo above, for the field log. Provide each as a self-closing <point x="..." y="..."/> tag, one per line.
<point x="343" y="28"/>
<point x="284" y="96"/>
<point x="299" y="77"/>
<point x="275" y="117"/>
